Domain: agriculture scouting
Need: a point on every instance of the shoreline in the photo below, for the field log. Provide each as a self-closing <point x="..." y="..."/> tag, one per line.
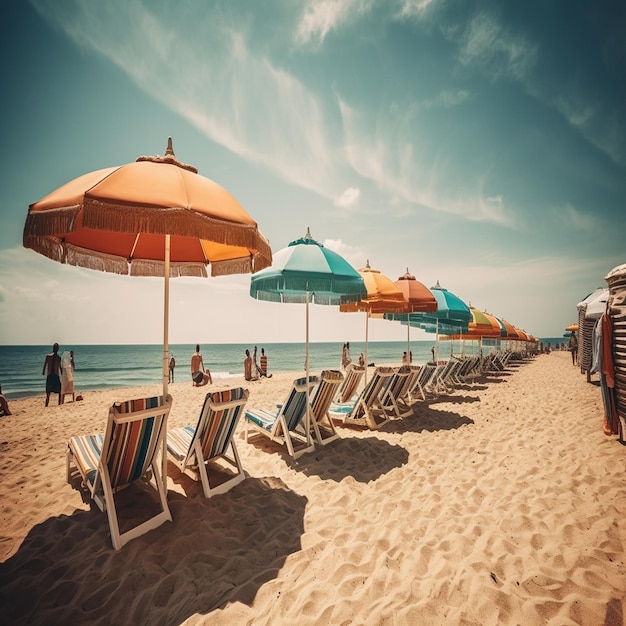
<point x="500" y="503"/>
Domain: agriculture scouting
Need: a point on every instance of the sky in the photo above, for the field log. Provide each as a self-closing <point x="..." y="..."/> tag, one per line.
<point x="480" y="144"/>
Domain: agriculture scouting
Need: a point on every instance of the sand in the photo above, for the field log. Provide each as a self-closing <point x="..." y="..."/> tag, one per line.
<point x="503" y="503"/>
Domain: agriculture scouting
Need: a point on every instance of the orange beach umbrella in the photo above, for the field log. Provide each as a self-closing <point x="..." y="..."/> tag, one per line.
<point x="155" y="216"/>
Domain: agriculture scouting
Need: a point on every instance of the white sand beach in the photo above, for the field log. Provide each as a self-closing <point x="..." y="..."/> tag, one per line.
<point x="503" y="503"/>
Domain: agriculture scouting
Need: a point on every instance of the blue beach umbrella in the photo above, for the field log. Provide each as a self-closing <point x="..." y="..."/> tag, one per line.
<point x="306" y="271"/>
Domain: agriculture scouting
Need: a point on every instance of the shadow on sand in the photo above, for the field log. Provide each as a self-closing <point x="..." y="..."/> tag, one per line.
<point x="363" y="458"/>
<point x="215" y="551"/>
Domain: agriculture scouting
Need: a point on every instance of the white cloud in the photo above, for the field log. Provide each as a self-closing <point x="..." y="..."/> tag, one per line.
<point x="415" y="8"/>
<point x="349" y="198"/>
<point x="322" y="16"/>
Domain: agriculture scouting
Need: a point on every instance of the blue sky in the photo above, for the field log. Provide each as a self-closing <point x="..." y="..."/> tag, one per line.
<point x="478" y="144"/>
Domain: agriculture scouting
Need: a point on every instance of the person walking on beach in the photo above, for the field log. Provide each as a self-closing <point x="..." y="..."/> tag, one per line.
<point x="4" y="404"/>
<point x="200" y="375"/>
<point x="172" y="365"/>
<point x="573" y="347"/>
<point x="52" y="367"/>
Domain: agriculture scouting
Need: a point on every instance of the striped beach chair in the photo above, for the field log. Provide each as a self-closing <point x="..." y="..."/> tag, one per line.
<point x="132" y="448"/>
<point x="323" y="427"/>
<point x="211" y="441"/>
<point x="395" y="391"/>
<point x="367" y="409"/>
<point x="347" y="390"/>
<point x="287" y="426"/>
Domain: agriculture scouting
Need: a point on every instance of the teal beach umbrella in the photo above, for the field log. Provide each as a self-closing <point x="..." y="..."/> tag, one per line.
<point x="306" y="271"/>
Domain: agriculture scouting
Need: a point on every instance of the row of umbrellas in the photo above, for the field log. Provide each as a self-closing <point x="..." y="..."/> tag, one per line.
<point x="158" y="216"/>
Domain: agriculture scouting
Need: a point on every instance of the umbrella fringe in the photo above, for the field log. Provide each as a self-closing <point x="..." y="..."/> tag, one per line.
<point x="49" y="222"/>
<point x="232" y="266"/>
<point x="183" y="222"/>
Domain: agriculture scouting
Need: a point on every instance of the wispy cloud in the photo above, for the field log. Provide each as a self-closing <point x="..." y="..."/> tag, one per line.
<point x="323" y="16"/>
<point x="391" y="162"/>
<point x="496" y="50"/>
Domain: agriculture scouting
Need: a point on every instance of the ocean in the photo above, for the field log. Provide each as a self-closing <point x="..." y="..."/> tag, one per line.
<point x="111" y="366"/>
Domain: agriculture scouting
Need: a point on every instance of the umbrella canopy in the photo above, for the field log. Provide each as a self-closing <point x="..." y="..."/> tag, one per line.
<point x="306" y="270"/>
<point x="155" y="216"/>
<point x="572" y="328"/>
<point x="383" y="296"/>
<point x="452" y="316"/>
<point x="418" y="299"/>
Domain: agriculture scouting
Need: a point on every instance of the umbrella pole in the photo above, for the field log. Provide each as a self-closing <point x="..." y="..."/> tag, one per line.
<point x="306" y="367"/>
<point x="367" y="325"/>
<point x="166" y="321"/>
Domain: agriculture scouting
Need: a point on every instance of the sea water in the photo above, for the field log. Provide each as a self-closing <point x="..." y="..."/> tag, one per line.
<point x="111" y="366"/>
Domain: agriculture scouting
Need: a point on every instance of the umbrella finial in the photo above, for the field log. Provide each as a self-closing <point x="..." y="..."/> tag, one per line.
<point x="308" y="233"/>
<point x="437" y="286"/>
<point x="170" y="158"/>
<point x="367" y="265"/>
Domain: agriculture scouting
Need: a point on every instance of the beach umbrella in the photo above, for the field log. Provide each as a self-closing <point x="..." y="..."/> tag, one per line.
<point x="451" y="317"/>
<point x="418" y="299"/>
<point x="155" y="216"/>
<point x="572" y="328"/>
<point x="383" y="296"/>
<point x="306" y="271"/>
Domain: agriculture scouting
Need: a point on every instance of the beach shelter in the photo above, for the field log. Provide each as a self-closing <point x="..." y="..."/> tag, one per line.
<point x="155" y="216"/>
<point x="383" y="296"/>
<point x="597" y="300"/>
<point x="304" y="272"/>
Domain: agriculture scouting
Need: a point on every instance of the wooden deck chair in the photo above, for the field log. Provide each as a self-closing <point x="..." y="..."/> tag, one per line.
<point x="287" y="425"/>
<point x="394" y="393"/>
<point x="192" y="449"/>
<point x="132" y="448"/>
<point x="348" y="389"/>
<point x="367" y="409"/>
<point x="323" y="426"/>
<point x="411" y="387"/>
<point x="425" y="374"/>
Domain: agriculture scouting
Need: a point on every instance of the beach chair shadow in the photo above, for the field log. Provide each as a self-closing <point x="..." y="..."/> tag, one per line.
<point x="208" y="451"/>
<point x="208" y="557"/>
<point x="428" y="419"/>
<point x="363" y="458"/>
<point x="287" y="426"/>
<point x="132" y="451"/>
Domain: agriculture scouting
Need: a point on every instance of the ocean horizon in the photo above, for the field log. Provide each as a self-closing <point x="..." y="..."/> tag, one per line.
<point x="108" y="366"/>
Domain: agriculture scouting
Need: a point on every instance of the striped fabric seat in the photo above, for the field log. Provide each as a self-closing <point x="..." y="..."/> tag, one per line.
<point x="192" y="449"/>
<point x="351" y="382"/>
<point x="323" y="426"/>
<point x="395" y="391"/>
<point x="367" y="410"/>
<point x="286" y="426"/>
<point x="133" y="447"/>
